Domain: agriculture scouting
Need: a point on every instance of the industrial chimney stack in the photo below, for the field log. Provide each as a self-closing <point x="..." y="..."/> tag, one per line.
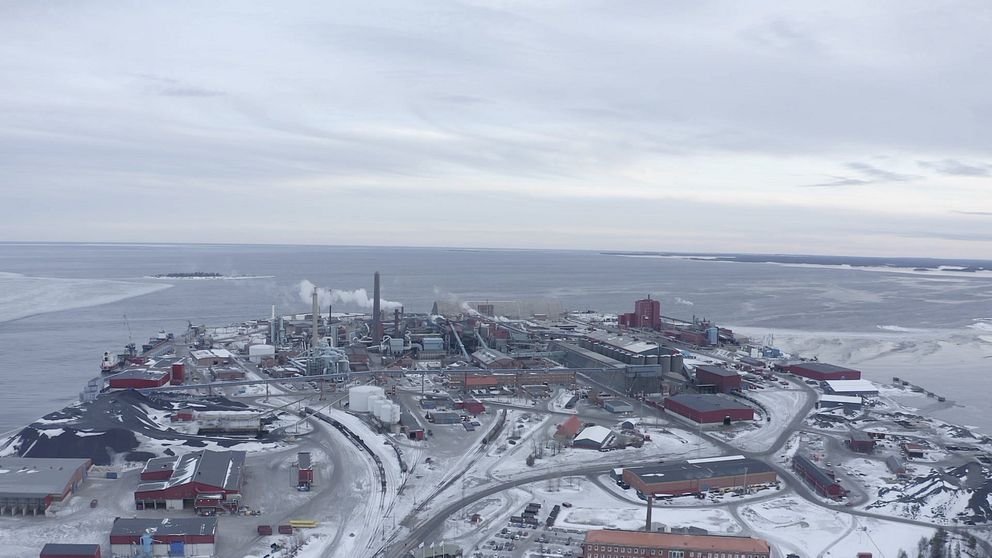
<point x="376" y="314"/>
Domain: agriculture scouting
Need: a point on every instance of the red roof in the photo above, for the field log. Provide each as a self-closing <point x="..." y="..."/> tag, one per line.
<point x="570" y="427"/>
<point x="674" y="541"/>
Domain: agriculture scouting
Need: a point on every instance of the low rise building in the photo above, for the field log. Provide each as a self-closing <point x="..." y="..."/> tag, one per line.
<point x="174" y="537"/>
<point x="610" y="543"/>
<point x="140" y="378"/>
<point x="822" y="481"/>
<point x="593" y="437"/>
<point x="699" y="475"/>
<point x="212" y="357"/>
<point x="615" y="405"/>
<point x="201" y="479"/>
<point x="860" y="442"/>
<point x="850" y="388"/>
<point x="708" y="409"/>
<point x="846" y="402"/>
<point x="29" y="485"/>
<point x="492" y="359"/>
<point x="723" y="380"/>
<point x="53" y="550"/>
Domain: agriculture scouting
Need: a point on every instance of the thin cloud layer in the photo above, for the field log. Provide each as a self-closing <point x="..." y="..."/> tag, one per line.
<point x="309" y="122"/>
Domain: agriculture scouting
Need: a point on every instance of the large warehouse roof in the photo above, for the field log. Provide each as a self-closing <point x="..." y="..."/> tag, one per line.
<point x="131" y="527"/>
<point x="674" y="541"/>
<point x="718" y="370"/>
<point x="220" y="469"/>
<point x="700" y="469"/>
<point x="822" y="367"/>
<point x="703" y="403"/>
<point x="597" y="434"/>
<point x="37" y="476"/>
<point x="851" y="386"/>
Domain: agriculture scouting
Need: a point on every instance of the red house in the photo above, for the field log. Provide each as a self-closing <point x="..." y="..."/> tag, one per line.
<point x="725" y="380"/>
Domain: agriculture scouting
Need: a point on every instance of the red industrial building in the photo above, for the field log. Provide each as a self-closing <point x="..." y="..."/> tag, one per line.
<point x="646" y="314"/>
<point x="193" y="536"/>
<point x="861" y="442"/>
<point x="723" y="379"/>
<point x="140" y="378"/>
<point x="699" y="475"/>
<point x="471" y="406"/>
<point x="708" y="409"/>
<point x="53" y="550"/>
<point x="823" y="482"/>
<point x="611" y="543"/>
<point x="305" y="465"/>
<point x="178" y="374"/>
<point x="822" y="371"/>
<point x="201" y="479"/>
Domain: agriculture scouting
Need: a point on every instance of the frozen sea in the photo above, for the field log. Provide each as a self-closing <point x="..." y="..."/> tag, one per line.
<point x="62" y="305"/>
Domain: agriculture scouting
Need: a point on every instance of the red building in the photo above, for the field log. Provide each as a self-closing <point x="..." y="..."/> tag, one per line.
<point x="178" y="374"/>
<point x="610" y="543"/>
<point x="821" y="481"/>
<point x="861" y="442"/>
<point x="214" y="477"/>
<point x="822" y="371"/>
<point x="708" y="409"/>
<point x="725" y="380"/>
<point x="569" y="429"/>
<point x="473" y="406"/>
<point x="52" y="550"/>
<point x="140" y="378"/>
<point x="646" y="314"/>
<point x="169" y="536"/>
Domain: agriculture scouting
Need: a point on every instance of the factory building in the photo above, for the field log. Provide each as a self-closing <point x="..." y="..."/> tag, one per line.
<point x="821" y="481"/>
<point x="615" y="405"/>
<point x="29" y="485"/>
<point x="708" y="409"/>
<point x="723" y="380"/>
<point x="627" y="349"/>
<point x="846" y="402"/>
<point x="444" y="417"/>
<point x="480" y="380"/>
<point x="646" y="314"/>
<point x="610" y="543"/>
<point x="411" y="426"/>
<point x="850" y="388"/>
<point x="822" y="371"/>
<point x="53" y="550"/>
<point x="226" y="373"/>
<point x="212" y="357"/>
<point x="860" y="442"/>
<point x="493" y="359"/>
<point x="173" y="537"/>
<point x="593" y="437"/>
<point x="202" y="479"/>
<point x="229" y="422"/>
<point x="140" y="378"/>
<point x="699" y="475"/>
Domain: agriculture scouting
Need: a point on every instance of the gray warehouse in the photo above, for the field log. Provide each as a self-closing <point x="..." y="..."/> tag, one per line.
<point x="29" y="485"/>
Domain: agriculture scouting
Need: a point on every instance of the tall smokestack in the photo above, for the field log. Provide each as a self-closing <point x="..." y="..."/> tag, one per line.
<point x="316" y="314"/>
<point x="376" y="316"/>
<point x="647" y="524"/>
<point x="332" y="333"/>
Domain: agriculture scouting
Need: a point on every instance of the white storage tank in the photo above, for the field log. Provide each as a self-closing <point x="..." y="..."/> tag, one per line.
<point x="256" y="353"/>
<point x="374" y="402"/>
<point x="358" y="397"/>
<point x="395" y="415"/>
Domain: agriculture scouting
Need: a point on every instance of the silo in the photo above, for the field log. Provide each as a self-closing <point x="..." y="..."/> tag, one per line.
<point x="638" y="359"/>
<point x="395" y="416"/>
<point x="358" y="399"/>
<point x="677" y="363"/>
<point x="666" y="363"/>
<point x="713" y="336"/>
<point x="651" y="359"/>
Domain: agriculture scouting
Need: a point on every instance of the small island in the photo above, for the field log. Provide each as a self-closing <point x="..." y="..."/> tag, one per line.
<point x="189" y="275"/>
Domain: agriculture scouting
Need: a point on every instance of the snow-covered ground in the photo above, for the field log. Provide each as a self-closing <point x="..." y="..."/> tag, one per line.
<point x="782" y="406"/>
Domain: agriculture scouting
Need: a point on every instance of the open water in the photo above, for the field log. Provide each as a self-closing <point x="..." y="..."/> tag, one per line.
<point x="62" y="305"/>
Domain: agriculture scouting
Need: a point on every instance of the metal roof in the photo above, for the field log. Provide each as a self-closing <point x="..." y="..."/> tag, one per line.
<point x="489" y="356"/>
<point x="596" y="434"/>
<point x="727" y="543"/>
<point x="135" y="527"/>
<point x="141" y="374"/>
<point x="304" y="460"/>
<point x="58" y="549"/>
<point x="700" y="469"/>
<point x="851" y="386"/>
<point x="858" y="436"/>
<point x="706" y="402"/>
<point x="840" y="399"/>
<point x="220" y="469"/>
<point x="445" y="549"/>
<point x="821" y="367"/>
<point x="37" y="476"/>
<point x="718" y="371"/>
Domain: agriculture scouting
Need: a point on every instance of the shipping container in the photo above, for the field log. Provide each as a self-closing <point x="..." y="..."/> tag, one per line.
<point x="264" y="530"/>
<point x="285" y="529"/>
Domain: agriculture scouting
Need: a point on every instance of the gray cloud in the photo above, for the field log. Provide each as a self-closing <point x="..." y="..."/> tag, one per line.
<point x="981" y="213"/>
<point x="957" y="168"/>
<point x="870" y="175"/>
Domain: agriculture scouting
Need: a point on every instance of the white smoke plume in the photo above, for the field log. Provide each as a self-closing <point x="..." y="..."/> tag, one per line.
<point x="684" y="302"/>
<point x="357" y="297"/>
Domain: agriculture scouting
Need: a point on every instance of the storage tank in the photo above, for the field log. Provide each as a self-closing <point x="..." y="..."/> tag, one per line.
<point x="713" y="336"/>
<point x="178" y="374"/>
<point x="677" y="363"/>
<point x="394" y="417"/>
<point x="666" y="363"/>
<point x="257" y="353"/>
<point x="651" y="359"/>
<point x="358" y="397"/>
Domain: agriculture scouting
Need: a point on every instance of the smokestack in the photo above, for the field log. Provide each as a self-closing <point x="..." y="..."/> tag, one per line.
<point x="332" y="333"/>
<point x="647" y="523"/>
<point x="396" y="320"/>
<point x="376" y="315"/>
<point x="316" y="314"/>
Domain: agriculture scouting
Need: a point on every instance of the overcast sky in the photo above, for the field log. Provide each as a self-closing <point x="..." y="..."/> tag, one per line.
<point x="820" y="127"/>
